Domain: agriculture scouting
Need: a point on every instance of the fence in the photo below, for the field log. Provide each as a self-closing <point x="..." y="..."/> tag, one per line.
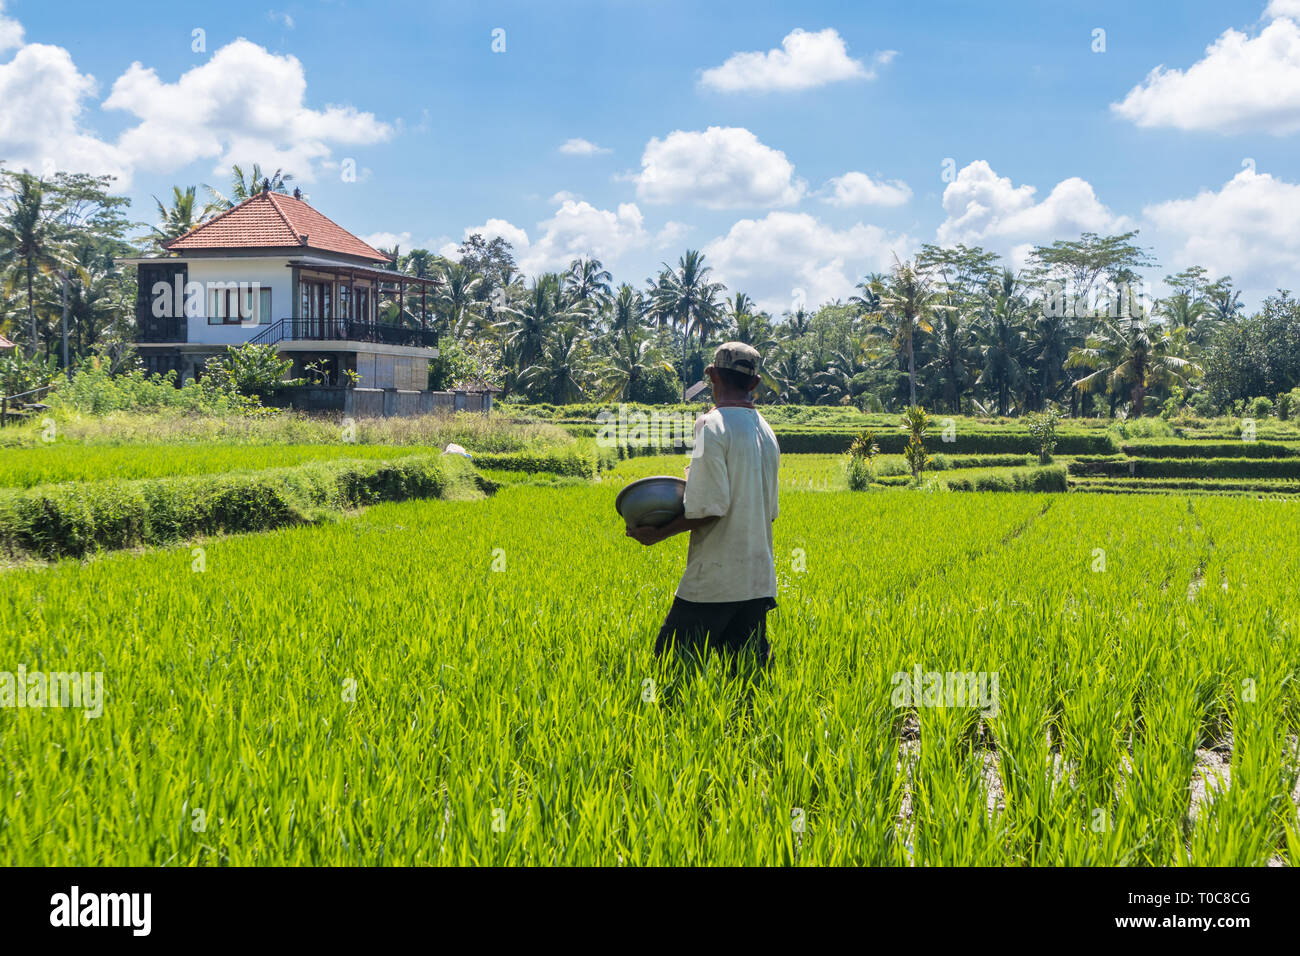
<point x="5" y="401"/>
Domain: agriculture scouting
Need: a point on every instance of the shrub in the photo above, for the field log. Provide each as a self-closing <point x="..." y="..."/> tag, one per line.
<point x="656" y="386"/>
<point x="93" y="391"/>
<point x="1053" y="478"/>
<point x="76" y="518"/>
<point x="1260" y="407"/>
<point x="19" y="375"/>
<point x="574" y="462"/>
<point x="252" y="370"/>
<point x="861" y="473"/>
<point x="1143" y="428"/>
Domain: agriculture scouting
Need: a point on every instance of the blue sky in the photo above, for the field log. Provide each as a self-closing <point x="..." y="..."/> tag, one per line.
<point x="800" y="145"/>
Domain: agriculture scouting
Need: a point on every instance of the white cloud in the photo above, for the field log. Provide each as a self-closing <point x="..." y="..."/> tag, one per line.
<point x="490" y="230"/>
<point x="671" y="234"/>
<point x="243" y="104"/>
<point x="790" y="257"/>
<point x="859" y="189"/>
<point x="805" y="60"/>
<point x="582" y="147"/>
<point x="985" y="208"/>
<point x="41" y="107"/>
<point x="580" y="229"/>
<point x="11" y="31"/>
<point x="1282" y="8"/>
<point x="1242" y="84"/>
<point x="577" y="228"/>
<point x="1246" y="230"/>
<point x="386" y="240"/>
<point x="277" y="16"/>
<point x="721" y="167"/>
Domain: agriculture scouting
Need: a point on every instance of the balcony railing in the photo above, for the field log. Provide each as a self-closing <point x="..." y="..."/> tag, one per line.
<point x="343" y="330"/>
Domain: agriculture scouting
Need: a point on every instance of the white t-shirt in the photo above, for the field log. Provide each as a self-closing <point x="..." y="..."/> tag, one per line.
<point x="732" y="473"/>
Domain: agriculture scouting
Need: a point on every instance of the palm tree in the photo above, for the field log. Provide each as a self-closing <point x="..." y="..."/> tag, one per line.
<point x="178" y="219"/>
<point x="907" y="302"/>
<point x="456" y="301"/>
<point x="1049" y="338"/>
<point x="841" y="381"/>
<point x="625" y="313"/>
<point x="1183" y="310"/>
<point x="1000" y="338"/>
<point x="1130" y="352"/>
<point x="558" y="374"/>
<point x="246" y="188"/>
<point x="530" y="322"/>
<point x="94" y="300"/>
<point x="587" y="287"/>
<point x="796" y="325"/>
<point x="686" y="298"/>
<point x="870" y="290"/>
<point x="788" y="373"/>
<point x="633" y="356"/>
<point x="952" y="361"/>
<point x="31" y="241"/>
<point x="420" y="263"/>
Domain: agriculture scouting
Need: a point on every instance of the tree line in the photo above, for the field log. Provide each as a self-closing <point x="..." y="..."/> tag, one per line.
<point x="953" y="328"/>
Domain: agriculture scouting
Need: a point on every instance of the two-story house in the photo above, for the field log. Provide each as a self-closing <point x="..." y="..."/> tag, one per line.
<point x="272" y="270"/>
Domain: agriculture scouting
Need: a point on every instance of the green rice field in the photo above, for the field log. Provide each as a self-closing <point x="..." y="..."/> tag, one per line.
<point x="455" y="682"/>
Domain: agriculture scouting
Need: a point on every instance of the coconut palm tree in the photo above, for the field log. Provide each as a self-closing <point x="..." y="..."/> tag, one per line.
<point x="420" y="263"/>
<point x="558" y="374"/>
<point x="1049" y="337"/>
<point x="633" y="355"/>
<point x="1131" y="353"/>
<point x="626" y="311"/>
<point x="868" y="296"/>
<point x="456" y="301"/>
<point x="587" y="287"/>
<point x="685" y="297"/>
<point x="180" y="217"/>
<point x="530" y="322"/>
<point x="242" y="187"/>
<point x="908" y="302"/>
<point x="999" y="335"/>
<point x="843" y="379"/>
<point x="32" y="243"/>
<point x="954" y="356"/>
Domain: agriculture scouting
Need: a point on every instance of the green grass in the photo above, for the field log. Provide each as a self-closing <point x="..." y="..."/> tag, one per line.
<point x="64" y="461"/>
<point x="500" y="652"/>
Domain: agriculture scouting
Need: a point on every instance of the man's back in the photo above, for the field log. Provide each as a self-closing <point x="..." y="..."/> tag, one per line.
<point x="733" y="474"/>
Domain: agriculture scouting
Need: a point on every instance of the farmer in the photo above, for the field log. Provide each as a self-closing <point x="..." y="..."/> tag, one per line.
<point x="731" y="488"/>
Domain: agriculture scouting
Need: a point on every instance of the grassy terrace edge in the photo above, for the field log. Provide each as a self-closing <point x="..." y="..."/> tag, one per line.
<point x="74" y="519"/>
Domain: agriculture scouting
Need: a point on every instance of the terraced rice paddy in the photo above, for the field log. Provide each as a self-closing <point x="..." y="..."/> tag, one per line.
<point x="472" y="682"/>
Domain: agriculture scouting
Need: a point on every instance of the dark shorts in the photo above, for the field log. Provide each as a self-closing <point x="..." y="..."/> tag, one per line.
<point x="730" y="626"/>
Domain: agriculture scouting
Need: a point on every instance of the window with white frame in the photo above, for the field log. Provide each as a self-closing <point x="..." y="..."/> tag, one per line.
<point x="238" y="304"/>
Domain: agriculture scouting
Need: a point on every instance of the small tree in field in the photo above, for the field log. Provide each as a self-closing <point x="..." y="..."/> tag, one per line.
<point x="862" y="457"/>
<point x="1042" y="429"/>
<point x="917" y="424"/>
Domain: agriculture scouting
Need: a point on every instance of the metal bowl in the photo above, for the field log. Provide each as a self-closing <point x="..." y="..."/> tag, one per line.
<point x="652" y="501"/>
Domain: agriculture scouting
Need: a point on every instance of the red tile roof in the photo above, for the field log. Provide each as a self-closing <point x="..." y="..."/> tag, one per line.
<point x="273" y="221"/>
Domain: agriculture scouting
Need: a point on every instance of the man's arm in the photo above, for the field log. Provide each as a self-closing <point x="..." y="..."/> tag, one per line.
<point x="648" y="534"/>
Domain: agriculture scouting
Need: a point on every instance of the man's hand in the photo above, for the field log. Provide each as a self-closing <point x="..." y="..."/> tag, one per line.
<point x="647" y="534"/>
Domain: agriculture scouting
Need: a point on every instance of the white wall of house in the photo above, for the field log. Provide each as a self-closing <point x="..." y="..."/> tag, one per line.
<point x="271" y="273"/>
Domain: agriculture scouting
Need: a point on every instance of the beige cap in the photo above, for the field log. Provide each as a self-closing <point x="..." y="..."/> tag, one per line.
<point x="738" y="357"/>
